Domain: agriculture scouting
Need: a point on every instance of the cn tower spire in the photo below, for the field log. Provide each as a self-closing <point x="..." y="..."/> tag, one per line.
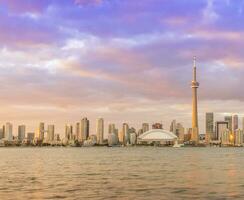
<point x="194" y="86"/>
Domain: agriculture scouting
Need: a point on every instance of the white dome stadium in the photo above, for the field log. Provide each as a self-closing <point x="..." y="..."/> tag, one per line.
<point x="157" y="135"/>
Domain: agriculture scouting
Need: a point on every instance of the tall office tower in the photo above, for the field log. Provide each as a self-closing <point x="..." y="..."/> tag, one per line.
<point x="145" y="127"/>
<point x="68" y="132"/>
<point x="194" y="86"/>
<point x="21" y="132"/>
<point x="238" y="137"/>
<point x="235" y="123"/>
<point x="173" y="127"/>
<point x="225" y="137"/>
<point x="133" y="138"/>
<point x="50" y="132"/>
<point x="3" y="129"/>
<point x="126" y="133"/>
<point x="209" y="127"/>
<point x="121" y="137"/>
<point x="157" y="126"/>
<point x="111" y="128"/>
<point x="229" y="120"/>
<point x="1" y="133"/>
<point x="9" y="132"/>
<point x="180" y="132"/>
<point x="41" y="130"/>
<point x="220" y="127"/>
<point x="100" y="130"/>
<point x="77" y="131"/>
<point x="84" y="129"/>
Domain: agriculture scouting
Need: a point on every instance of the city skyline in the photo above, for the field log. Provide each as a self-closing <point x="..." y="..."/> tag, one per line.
<point x="58" y="67"/>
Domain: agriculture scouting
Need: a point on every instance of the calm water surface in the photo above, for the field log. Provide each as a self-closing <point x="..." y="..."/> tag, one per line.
<point x="122" y="173"/>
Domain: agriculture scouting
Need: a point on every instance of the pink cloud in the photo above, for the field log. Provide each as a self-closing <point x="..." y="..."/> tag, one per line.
<point x="88" y="2"/>
<point x="17" y="6"/>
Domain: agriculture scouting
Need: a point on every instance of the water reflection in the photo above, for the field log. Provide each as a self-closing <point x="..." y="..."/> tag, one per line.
<point x="121" y="173"/>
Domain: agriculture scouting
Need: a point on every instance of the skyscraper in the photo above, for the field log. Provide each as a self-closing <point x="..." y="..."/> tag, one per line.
<point x="234" y="123"/>
<point x="238" y="137"/>
<point x="68" y="131"/>
<point x="100" y="130"/>
<point x="9" y="132"/>
<point x="229" y="120"/>
<point x="111" y="128"/>
<point x="41" y="130"/>
<point x="126" y="133"/>
<point x="180" y="132"/>
<point x="84" y="129"/>
<point x="50" y="132"/>
<point x="21" y="133"/>
<point x="194" y="86"/>
<point x="221" y="126"/>
<point x="209" y="127"/>
<point x="173" y="127"/>
<point x="77" y="131"/>
<point x="1" y="133"/>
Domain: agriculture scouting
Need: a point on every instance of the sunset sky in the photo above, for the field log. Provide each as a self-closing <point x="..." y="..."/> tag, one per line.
<point x="124" y="60"/>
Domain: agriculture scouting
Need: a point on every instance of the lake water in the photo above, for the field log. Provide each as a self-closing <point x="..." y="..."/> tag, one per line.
<point x="122" y="173"/>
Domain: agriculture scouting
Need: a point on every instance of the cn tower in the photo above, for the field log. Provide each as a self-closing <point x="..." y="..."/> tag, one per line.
<point x="194" y="86"/>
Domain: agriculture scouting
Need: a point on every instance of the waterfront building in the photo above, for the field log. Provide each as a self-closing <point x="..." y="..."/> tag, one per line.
<point x="157" y="137"/>
<point x="112" y="139"/>
<point x="68" y="132"/>
<point x="238" y="137"/>
<point x="220" y="127"/>
<point x="77" y="131"/>
<point x="1" y="133"/>
<point x="125" y="129"/>
<point x="229" y="120"/>
<point x="37" y="133"/>
<point x="121" y="137"/>
<point x="173" y="126"/>
<point x="225" y="137"/>
<point x="209" y="127"/>
<point x="84" y="128"/>
<point x="50" y="133"/>
<point x="133" y="138"/>
<point x="180" y="132"/>
<point x="41" y="131"/>
<point x="194" y="86"/>
<point x="145" y="127"/>
<point x="100" y="130"/>
<point x="235" y="123"/>
<point x="8" y="132"/>
<point x="30" y="137"/>
<point x="93" y="139"/>
<point x="21" y="133"/>
<point x="111" y="128"/>
<point x="157" y="126"/>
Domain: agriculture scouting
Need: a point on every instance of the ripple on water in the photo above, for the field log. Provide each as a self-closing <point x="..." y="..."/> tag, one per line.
<point x="121" y="173"/>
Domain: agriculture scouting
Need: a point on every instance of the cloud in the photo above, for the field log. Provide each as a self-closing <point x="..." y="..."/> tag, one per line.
<point x="209" y="14"/>
<point x="87" y="2"/>
<point x="124" y="60"/>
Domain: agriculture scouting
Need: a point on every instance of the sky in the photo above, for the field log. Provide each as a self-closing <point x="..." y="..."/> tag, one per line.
<point x="123" y="60"/>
